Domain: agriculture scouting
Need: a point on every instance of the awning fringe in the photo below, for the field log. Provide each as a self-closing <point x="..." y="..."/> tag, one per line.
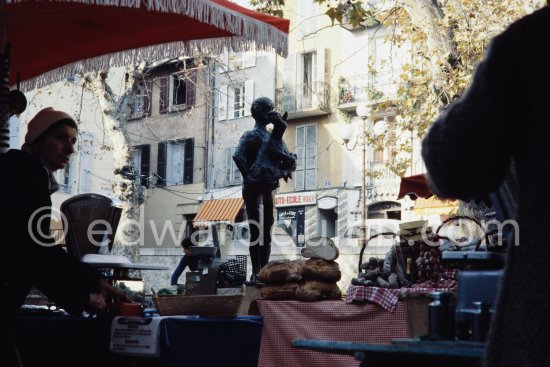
<point x="249" y="33"/>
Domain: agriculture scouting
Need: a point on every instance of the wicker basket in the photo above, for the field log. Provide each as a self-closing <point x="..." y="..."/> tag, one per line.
<point x="204" y="306"/>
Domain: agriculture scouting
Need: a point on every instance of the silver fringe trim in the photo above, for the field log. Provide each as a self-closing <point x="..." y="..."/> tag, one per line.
<point x="249" y="33"/>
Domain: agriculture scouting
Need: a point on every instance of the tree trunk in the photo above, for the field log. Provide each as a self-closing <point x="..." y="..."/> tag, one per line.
<point x="127" y="189"/>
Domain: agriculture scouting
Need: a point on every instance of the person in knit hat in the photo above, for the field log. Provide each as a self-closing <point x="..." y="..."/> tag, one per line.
<point x="31" y="257"/>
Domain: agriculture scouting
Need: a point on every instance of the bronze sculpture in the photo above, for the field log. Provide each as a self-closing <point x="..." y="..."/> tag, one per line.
<point x="263" y="159"/>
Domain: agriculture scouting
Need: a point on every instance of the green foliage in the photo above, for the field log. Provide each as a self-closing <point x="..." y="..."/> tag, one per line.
<point x="442" y="58"/>
<point x="271" y="7"/>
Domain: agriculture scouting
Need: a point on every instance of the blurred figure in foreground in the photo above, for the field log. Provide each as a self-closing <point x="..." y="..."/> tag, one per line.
<point x="502" y="122"/>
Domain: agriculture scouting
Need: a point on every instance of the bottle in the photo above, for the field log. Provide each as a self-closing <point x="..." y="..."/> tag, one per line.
<point x="441" y="316"/>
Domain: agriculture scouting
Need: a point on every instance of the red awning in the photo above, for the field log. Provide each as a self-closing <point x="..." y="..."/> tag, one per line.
<point x="54" y="39"/>
<point x="415" y="186"/>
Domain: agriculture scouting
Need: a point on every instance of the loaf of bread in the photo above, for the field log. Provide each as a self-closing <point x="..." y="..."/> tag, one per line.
<point x="318" y="269"/>
<point x="313" y="290"/>
<point x="279" y="292"/>
<point x="281" y="271"/>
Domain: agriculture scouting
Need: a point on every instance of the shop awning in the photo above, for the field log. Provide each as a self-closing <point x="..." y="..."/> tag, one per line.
<point x="415" y="186"/>
<point x="435" y="206"/>
<point x="220" y="210"/>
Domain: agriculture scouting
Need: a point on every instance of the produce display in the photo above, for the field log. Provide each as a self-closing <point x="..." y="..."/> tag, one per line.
<point x="385" y="273"/>
<point x="428" y="264"/>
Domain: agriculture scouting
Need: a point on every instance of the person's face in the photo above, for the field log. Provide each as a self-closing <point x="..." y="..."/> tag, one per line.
<point x="57" y="146"/>
<point x="187" y="251"/>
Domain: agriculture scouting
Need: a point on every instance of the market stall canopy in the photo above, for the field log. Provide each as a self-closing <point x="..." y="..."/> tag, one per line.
<point x="51" y="40"/>
<point x="427" y="204"/>
<point x="415" y="186"/>
<point x="220" y="210"/>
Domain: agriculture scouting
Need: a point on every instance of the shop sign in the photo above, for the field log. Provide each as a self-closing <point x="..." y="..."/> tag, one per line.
<point x="327" y="203"/>
<point x="296" y="199"/>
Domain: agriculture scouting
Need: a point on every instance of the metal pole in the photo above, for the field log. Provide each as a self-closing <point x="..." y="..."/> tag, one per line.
<point x="363" y="239"/>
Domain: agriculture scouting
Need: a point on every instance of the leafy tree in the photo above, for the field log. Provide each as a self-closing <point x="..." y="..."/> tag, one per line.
<point x="447" y="39"/>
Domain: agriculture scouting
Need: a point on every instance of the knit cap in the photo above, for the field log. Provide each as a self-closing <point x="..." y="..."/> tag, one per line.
<point x="42" y="121"/>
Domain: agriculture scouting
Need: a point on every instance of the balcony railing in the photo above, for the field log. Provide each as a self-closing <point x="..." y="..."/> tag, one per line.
<point x="304" y="99"/>
<point x="372" y="88"/>
<point x="383" y="179"/>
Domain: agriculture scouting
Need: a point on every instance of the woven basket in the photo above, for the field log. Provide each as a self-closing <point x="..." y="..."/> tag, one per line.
<point x="204" y="306"/>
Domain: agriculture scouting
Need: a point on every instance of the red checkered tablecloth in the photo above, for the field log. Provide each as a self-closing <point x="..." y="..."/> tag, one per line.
<point x="387" y="298"/>
<point x="383" y="297"/>
<point x="284" y="321"/>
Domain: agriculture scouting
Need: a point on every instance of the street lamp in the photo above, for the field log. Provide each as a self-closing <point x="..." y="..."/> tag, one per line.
<point x="363" y="112"/>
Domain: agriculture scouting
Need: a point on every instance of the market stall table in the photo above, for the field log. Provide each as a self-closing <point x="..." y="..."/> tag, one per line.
<point x="285" y="321"/>
<point x="56" y="339"/>
<point x="210" y="342"/>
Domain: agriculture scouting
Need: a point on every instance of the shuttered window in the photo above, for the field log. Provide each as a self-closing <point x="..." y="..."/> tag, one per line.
<point x="140" y="157"/>
<point x="306" y="163"/>
<point x="141" y="103"/>
<point x="175" y="162"/>
<point x="232" y="173"/>
<point x="234" y="101"/>
<point x="161" y="164"/>
<point x="189" y="158"/>
<point x="177" y="91"/>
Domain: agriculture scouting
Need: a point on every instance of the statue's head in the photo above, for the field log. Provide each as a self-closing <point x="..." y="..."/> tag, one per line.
<point x="260" y="107"/>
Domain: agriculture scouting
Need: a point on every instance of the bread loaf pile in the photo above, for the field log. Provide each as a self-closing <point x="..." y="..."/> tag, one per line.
<point x="310" y="280"/>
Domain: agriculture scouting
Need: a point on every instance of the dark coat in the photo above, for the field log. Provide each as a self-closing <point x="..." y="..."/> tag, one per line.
<point x="503" y="117"/>
<point x="25" y="190"/>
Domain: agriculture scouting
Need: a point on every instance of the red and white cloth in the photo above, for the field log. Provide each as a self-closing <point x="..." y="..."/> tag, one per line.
<point x="389" y="298"/>
<point x="284" y="321"/>
<point x="383" y="297"/>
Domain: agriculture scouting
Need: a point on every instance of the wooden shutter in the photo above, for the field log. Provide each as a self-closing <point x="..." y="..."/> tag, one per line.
<point x="145" y="164"/>
<point x="248" y="96"/>
<point x="228" y="165"/>
<point x="222" y="103"/>
<point x="231" y="102"/>
<point x="161" y="164"/>
<point x="288" y="94"/>
<point x="319" y="66"/>
<point x="300" y="160"/>
<point x="190" y="88"/>
<point x="188" y="164"/>
<point x="237" y="177"/>
<point x="164" y="97"/>
<point x="147" y="93"/>
<point x="311" y="157"/>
